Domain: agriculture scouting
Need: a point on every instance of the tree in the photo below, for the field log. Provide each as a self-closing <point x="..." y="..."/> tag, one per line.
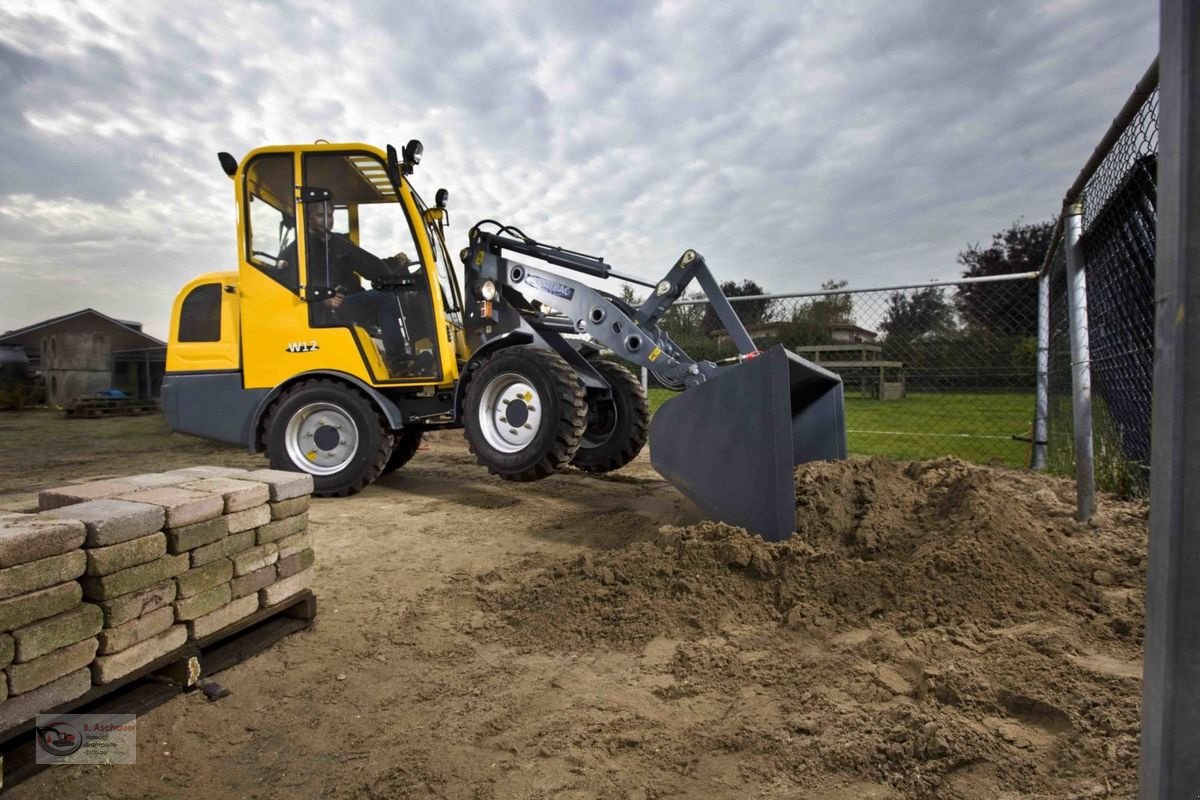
<point x="750" y="312"/>
<point x="1004" y="309"/>
<point x="826" y="309"/>
<point x="910" y="317"/>
<point x="630" y="296"/>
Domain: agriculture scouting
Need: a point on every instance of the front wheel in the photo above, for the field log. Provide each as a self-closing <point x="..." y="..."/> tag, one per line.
<point x="330" y="431"/>
<point x="524" y="414"/>
<point x="616" y="429"/>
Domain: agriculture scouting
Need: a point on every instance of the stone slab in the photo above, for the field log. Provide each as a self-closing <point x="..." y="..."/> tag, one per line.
<point x="116" y="557"/>
<point x="290" y="508"/>
<point x="297" y="562"/>
<point x="122" y="609"/>
<point x="238" y="495"/>
<point x="139" y="629"/>
<point x="80" y="493"/>
<point x="290" y="545"/>
<point x="204" y="603"/>
<point x="41" y="574"/>
<point x="8" y="651"/>
<point x="189" y="537"/>
<point x="107" y="587"/>
<point x="223" y="617"/>
<point x="253" y="581"/>
<point x="281" y="590"/>
<point x="250" y="519"/>
<point x="201" y="579"/>
<point x="61" y="630"/>
<point x="50" y="667"/>
<point x="18" y="612"/>
<point x="181" y="506"/>
<point x="254" y="559"/>
<point x="25" y="538"/>
<point x="19" y="709"/>
<point x="282" y="528"/>
<point x="208" y="472"/>
<point x="106" y="669"/>
<point x="111" y="521"/>
<point x="284" y="485"/>
<point x="154" y="480"/>
<point x="224" y="548"/>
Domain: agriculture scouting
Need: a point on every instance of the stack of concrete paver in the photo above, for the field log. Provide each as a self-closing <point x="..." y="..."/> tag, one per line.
<point x="47" y="633"/>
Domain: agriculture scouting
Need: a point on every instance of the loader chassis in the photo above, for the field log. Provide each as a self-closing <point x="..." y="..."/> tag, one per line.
<point x="294" y="355"/>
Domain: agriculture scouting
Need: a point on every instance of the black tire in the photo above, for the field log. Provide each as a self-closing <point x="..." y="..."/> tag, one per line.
<point x="543" y="439"/>
<point x="404" y="447"/>
<point x="339" y="402"/>
<point x="617" y="428"/>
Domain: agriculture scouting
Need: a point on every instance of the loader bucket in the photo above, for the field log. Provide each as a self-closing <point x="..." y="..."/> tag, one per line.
<point x="731" y="444"/>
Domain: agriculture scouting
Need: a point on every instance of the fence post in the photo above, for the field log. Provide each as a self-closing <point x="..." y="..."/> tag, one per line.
<point x="1042" y="404"/>
<point x="1081" y="367"/>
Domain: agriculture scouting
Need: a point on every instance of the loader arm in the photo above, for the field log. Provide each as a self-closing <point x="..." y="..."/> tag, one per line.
<point x="731" y="440"/>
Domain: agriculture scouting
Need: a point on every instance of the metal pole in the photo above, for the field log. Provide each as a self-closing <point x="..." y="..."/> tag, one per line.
<point x="1042" y="404"/>
<point x="1081" y="367"/>
<point x="1170" y="758"/>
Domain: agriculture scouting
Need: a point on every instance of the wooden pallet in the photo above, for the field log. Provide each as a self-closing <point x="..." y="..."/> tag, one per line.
<point x="163" y="679"/>
<point x="93" y="407"/>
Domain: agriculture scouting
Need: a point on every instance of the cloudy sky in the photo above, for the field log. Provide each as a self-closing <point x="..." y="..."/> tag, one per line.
<point x="789" y="142"/>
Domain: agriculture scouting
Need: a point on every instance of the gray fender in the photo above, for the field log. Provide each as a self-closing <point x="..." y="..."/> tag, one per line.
<point x="391" y="411"/>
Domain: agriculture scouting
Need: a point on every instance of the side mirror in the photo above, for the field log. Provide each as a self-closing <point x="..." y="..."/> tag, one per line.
<point x="393" y="164"/>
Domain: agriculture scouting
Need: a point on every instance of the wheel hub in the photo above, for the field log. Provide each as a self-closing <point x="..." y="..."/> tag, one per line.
<point x="321" y="438"/>
<point x="510" y="415"/>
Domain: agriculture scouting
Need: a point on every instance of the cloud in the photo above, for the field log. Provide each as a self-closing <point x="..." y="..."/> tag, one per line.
<point x="790" y="143"/>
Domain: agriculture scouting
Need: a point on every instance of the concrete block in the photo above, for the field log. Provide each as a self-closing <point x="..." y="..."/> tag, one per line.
<point x="50" y="667"/>
<point x="297" y="562"/>
<point x="122" y="609"/>
<point x="61" y="630"/>
<point x="238" y="495"/>
<point x="8" y="650"/>
<point x="153" y="480"/>
<point x="181" y="506"/>
<point x="139" y="629"/>
<point x="203" y="603"/>
<point x="18" y="612"/>
<point x="281" y="590"/>
<point x="250" y="519"/>
<point x="107" y="587"/>
<point x="189" y="537"/>
<point x="201" y="579"/>
<point x="110" y="521"/>
<point x="283" y="485"/>
<point x="41" y="574"/>
<point x="290" y="508"/>
<point x="223" y="617"/>
<point x="251" y="582"/>
<point x="81" y="493"/>
<point x="255" y="558"/>
<point x="116" y="557"/>
<point x="109" y="668"/>
<point x="282" y="528"/>
<point x="290" y="545"/>
<point x="16" y="710"/>
<point x="223" y="548"/>
<point x="28" y="538"/>
<point x="208" y="472"/>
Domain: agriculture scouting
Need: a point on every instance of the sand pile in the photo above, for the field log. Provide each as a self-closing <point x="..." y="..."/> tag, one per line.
<point x="942" y="628"/>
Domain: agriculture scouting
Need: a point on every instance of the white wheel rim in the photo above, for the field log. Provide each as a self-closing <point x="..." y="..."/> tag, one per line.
<point x="510" y="413"/>
<point x="321" y="439"/>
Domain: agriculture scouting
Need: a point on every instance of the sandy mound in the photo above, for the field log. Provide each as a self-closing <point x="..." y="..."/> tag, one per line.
<point x="942" y="628"/>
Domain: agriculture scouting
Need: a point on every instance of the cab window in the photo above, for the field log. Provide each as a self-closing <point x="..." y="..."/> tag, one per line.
<point x="270" y="220"/>
<point x="200" y="314"/>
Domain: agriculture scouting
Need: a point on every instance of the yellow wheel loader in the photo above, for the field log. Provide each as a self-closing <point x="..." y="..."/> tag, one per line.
<point x="343" y="335"/>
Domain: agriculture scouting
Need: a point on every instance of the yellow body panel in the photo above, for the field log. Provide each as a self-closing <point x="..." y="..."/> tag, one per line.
<point x="217" y="356"/>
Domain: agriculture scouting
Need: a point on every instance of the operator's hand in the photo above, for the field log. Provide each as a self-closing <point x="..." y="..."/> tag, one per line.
<point x="398" y="261"/>
<point x="281" y="264"/>
<point x="334" y="302"/>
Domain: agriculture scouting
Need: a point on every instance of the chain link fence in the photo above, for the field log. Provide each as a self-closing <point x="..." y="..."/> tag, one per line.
<point x="929" y="371"/>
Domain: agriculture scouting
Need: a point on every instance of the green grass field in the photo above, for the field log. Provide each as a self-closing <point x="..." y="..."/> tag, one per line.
<point x="973" y="427"/>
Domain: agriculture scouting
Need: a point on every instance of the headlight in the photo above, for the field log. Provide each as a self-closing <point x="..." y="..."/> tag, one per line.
<point x="487" y="290"/>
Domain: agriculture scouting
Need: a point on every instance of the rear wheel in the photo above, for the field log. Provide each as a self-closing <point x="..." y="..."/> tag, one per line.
<point x="525" y="413"/>
<point x="616" y="429"/>
<point x="330" y="431"/>
<point x="404" y="447"/>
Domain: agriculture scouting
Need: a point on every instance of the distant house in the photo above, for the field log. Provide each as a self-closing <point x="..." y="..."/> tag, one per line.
<point x="87" y="351"/>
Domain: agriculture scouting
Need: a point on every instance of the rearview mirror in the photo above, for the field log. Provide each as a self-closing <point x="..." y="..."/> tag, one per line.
<point x="393" y="164"/>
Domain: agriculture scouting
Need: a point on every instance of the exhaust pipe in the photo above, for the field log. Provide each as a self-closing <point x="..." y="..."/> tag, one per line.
<point x="732" y="443"/>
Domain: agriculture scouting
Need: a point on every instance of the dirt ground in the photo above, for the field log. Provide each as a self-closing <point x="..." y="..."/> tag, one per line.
<point x="934" y="629"/>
